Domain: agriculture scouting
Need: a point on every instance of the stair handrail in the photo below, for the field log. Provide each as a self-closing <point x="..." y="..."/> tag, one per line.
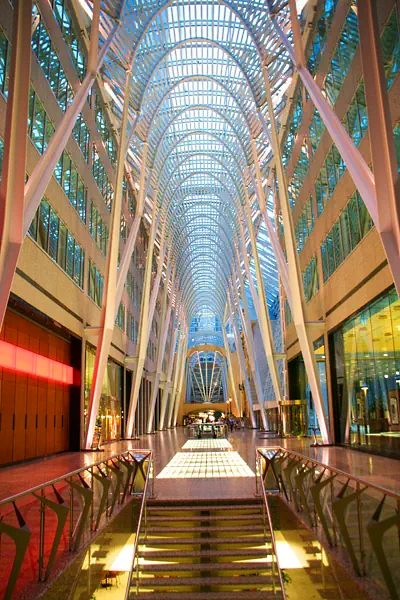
<point x="270" y="527"/>
<point x="139" y="525"/>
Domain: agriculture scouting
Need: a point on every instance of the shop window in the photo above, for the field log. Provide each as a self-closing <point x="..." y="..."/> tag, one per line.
<point x="110" y="415"/>
<point x="390" y="43"/>
<point x="367" y="369"/>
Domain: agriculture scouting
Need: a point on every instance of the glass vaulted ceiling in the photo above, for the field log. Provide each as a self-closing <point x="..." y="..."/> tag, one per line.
<point x="199" y="98"/>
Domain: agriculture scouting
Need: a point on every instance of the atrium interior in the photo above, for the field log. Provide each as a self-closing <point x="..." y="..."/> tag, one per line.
<point x="199" y="299"/>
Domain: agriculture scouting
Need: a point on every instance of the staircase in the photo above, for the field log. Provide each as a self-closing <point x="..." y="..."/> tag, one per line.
<point x="205" y="551"/>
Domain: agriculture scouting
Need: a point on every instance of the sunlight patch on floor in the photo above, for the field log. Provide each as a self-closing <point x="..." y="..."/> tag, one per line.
<point x="206" y="464"/>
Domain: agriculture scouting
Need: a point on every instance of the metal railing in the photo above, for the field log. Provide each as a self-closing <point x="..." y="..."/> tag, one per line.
<point x="357" y="519"/>
<point x="142" y="517"/>
<point x="44" y="527"/>
<point x="268" y="528"/>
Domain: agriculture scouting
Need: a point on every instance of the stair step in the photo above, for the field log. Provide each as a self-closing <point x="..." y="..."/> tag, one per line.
<point x="243" y="595"/>
<point x="214" y="528"/>
<point x="198" y="507"/>
<point x="257" y="539"/>
<point x="152" y="582"/>
<point x="161" y="554"/>
<point x="231" y="566"/>
<point x="247" y="517"/>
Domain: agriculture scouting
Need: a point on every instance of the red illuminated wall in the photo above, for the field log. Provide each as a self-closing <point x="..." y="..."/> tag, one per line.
<point x="34" y="410"/>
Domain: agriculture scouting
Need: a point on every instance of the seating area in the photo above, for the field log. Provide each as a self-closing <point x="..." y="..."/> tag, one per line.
<point x="205" y="430"/>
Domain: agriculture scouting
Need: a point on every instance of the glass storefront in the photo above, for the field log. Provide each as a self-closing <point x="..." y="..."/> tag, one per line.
<point x="108" y="423"/>
<point x="366" y="376"/>
<point x="298" y="414"/>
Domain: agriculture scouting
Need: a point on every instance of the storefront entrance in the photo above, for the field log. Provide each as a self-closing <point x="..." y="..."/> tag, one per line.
<point x="365" y="361"/>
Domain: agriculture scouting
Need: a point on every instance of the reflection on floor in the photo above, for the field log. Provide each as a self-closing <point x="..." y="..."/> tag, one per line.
<point x="219" y="444"/>
<point x="310" y="572"/>
<point x="105" y="568"/>
<point x="206" y="464"/>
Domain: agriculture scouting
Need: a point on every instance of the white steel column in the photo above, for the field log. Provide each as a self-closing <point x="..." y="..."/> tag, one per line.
<point x="229" y="360"/>
<point x="264" y="320"/>
<point x="109" y="307"/>
<point x="13" y="179"/>
<point x="167" y="385"/>
<point x="224" y="380"/>
<point x="296" y="284"/>
<point x="212" y="377"/>
<point x="236" y="321"/>
<point x="356" y="165"/>
<point x="157" y="281"/>
<point x="141" y="347"/>
<point x="164" y="325"/>
<point x="131" y="241"/>
<point x="178" y="358"/>
<point x="178" y="394"/>
<point x="272" y="234"/>
<point x="243" y="368"/>
<point x="40" y="177"/>
<point x="380" y="134"/>
<point x="248" y="333"/>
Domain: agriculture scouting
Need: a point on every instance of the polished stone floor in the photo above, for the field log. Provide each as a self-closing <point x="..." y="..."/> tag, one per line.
<point x="374" y="469"/>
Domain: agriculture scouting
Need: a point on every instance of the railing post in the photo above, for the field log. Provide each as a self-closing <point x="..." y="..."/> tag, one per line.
<point x="41" y="537"/>
<point x="360" y="531"/>
<point x="71" y="516"/>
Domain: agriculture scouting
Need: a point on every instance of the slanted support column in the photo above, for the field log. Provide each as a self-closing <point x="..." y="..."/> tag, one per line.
<point x="248" y="333"/>
<point x="254" y="372"/>
<point x="273" y="236"/>
<point x="167" y="385"/>
<point x="164" y="325"/>
<point x="356" y="165"/>
<point x="40" y="177"/>
<point x="224" y="380"/>
<point x="131" y="241"/>
<point x="243" y="368"/>
<point x="13" y="182"/>
<point x="178" y="358"/>
<point x="380" y="130"/>
<point x="157" y="281"/>
<point x="264" y="321"/>
<point x="229" y="361"/>
<point x="180" y="380"/>
<point x="110" y="302"/>
<point x="143" y="324"/>
<point x="296" y="284"/>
